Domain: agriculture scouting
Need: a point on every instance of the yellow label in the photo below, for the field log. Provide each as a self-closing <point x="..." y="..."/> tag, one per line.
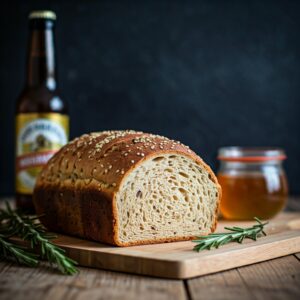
<point x="38" y="137"/>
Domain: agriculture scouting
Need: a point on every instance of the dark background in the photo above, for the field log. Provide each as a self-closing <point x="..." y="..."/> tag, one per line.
<point x="209" y="73"/>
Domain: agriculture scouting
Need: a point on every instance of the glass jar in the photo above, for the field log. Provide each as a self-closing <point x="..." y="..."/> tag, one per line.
<point x="253" y="182"/>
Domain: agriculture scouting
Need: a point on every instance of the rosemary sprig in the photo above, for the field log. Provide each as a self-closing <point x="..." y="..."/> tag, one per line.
<point x="237" y="234"/>
<point x="14" y="223"/>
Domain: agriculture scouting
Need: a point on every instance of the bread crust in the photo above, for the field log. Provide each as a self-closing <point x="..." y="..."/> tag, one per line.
<point x="76" y="191"/>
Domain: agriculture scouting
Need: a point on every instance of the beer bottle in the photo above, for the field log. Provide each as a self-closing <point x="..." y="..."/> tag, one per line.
<point x="42" y="122"/>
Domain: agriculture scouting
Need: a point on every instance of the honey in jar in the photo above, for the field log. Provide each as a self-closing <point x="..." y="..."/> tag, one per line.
<point x="253" y="182"/>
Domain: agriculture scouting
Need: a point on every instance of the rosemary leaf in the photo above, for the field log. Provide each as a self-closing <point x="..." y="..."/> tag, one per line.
<point x="9" y="250"/>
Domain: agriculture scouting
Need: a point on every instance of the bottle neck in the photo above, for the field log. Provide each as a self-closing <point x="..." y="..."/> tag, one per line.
<point x="41" y="59"/>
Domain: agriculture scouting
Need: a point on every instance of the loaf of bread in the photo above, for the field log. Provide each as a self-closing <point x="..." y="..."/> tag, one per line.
<point x="127" y="188"/>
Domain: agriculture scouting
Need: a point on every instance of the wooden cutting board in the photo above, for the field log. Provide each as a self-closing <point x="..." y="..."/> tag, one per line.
<point x="178" y="260"/>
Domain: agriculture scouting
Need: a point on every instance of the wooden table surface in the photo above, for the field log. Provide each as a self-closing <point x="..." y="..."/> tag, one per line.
<point x="274" y="279"/>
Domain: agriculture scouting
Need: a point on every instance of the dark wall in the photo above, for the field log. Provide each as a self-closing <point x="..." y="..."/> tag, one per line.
<point x="209" y="73"/>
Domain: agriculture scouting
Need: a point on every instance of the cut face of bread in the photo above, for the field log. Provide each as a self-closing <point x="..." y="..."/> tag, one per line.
<point x="166" y="197"/>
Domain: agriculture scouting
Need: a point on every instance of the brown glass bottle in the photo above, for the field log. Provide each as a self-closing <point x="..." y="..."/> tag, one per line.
<point x="42" y="123"/>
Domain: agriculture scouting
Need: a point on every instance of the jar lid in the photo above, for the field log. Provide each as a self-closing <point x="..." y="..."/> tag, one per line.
<point x="255" y="154"/>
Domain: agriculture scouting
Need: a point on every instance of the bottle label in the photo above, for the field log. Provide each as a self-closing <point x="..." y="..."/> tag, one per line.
<point x="38" y="137"/>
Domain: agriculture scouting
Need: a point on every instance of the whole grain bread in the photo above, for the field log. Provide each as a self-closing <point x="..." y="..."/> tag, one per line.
<point x="127" y="188"/>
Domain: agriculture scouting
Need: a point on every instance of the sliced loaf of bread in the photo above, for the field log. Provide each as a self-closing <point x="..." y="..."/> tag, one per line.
<point x="127" y="188"/>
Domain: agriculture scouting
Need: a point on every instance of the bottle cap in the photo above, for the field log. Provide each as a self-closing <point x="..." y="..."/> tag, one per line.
<point x="42" y="14"/>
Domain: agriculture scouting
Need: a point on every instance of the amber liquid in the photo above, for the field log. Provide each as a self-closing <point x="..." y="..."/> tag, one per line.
<point x="247" y="196"/>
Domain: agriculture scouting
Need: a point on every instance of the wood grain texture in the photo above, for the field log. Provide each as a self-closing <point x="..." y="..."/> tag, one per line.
<point x="21" y="283"/>
<point x="226" y="285"/>
<point x="178" y="260"/>
<point x="274" y="279"/>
